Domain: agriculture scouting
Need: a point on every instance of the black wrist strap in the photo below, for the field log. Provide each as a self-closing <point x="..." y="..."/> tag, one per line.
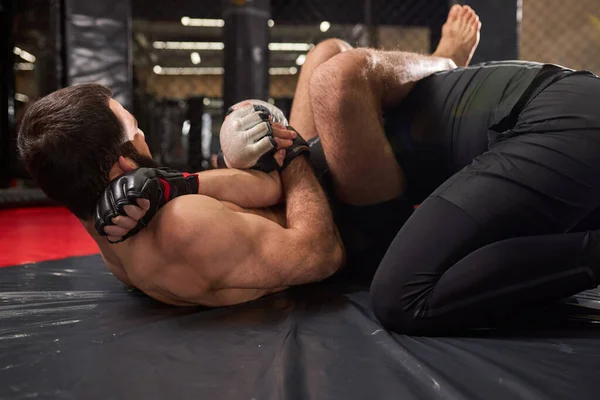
<point x="221" y="160"/>
<point x="299" y="147"/>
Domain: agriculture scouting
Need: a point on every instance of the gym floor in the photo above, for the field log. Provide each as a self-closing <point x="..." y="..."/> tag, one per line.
<point x="31" y="235"/>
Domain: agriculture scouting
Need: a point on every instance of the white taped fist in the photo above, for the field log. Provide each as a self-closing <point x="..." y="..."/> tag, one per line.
<point x="246" y="133"/>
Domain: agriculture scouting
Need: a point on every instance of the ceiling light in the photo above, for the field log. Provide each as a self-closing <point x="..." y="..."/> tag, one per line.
<point x="189" y="71"/>
<point x="271" y="23"/>
<point x="24" y="54"/>
<point x="290" y="46"/>
<point x="205" y="22"/>
<point x="300" y="60"/>
<point x="206" y="101"/>
<point x="185" y="128"/>
<point x="157" y="69"/>
<point x="283" y="71"/>
<point x="325" y="25"/>
<point x="195" y="57"/>
<point x="188" y="45"/>
<point x="21" y="97"/>
<point x="24" y="67"/>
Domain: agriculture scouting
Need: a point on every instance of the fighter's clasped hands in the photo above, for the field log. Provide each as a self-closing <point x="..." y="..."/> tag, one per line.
<point x="254" y="135"/>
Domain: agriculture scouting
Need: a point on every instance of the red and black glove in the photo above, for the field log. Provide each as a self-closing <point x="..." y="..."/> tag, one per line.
<point x="158" y="185"/>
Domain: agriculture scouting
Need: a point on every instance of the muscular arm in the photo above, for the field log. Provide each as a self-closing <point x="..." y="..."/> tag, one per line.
<point x="246" y="188"/>
<point x="212" y="255"/>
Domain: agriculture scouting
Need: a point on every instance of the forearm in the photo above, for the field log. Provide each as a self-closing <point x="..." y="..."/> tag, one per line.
<point x="308" y="212"/>
<point x="246" y="188"/>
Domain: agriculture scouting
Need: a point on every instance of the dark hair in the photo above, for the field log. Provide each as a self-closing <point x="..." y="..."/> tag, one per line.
<point x="69" y="140"/>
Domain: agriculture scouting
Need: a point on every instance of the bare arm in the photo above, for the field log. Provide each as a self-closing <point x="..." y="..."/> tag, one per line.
<point x="215" y="256"/>
<point x="246" y="188"/>
<point x="308" y="249"/>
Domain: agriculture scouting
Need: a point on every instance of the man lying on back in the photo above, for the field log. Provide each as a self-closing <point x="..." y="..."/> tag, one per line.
<point x="224" y="245"/>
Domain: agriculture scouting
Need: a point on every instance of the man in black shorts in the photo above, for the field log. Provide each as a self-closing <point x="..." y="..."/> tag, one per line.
<point x="502" y="158"/>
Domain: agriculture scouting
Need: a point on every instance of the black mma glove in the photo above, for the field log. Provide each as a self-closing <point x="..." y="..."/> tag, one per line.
<point x="159" y="185"/>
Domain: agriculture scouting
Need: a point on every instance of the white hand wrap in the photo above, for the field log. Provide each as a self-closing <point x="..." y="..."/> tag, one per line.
<point x="246" y="135"/>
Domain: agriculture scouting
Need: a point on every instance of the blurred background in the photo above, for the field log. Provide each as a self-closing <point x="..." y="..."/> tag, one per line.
<point x="178" y="64"/>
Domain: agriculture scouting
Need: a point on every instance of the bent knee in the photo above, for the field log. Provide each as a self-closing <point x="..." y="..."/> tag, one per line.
<point x="350" y="71"/>
<point x="390" y="313"/>
<point x="328" y="48"/>
<point x="395" y="310"/>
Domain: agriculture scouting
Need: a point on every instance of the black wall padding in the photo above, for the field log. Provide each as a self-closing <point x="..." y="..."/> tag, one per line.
<point x="500" y="30"/>
<point x="246" y="38"/>
<point x="6" y="95"/>
<point x="194" y="115"/>
<point x="20" y="198"/>
<point x="98" y="45"/>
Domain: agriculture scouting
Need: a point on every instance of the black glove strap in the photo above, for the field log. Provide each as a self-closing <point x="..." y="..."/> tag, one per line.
<point x="299" y="147"/>
<point x="221" y="160"/>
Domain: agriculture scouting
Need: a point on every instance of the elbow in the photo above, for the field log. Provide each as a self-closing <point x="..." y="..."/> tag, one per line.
<point x="330" y="257"/>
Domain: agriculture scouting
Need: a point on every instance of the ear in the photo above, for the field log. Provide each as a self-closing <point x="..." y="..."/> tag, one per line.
<point x="126" y="164"/>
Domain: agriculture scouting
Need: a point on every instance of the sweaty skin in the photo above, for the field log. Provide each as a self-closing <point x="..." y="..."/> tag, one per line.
<point x="207" y="249"/>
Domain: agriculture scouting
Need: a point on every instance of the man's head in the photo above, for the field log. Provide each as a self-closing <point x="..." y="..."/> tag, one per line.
<point x="75" y="140"/>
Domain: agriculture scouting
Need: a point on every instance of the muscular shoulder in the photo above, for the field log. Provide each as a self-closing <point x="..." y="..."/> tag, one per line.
<point x="185" y="219"/>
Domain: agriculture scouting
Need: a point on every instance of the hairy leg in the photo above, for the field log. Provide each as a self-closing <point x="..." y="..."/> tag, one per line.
<point x="347" y="94"/>
<point x="301" y="117"/>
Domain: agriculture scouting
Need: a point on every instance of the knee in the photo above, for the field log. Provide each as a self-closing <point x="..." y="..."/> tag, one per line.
<point x="394" y="312"/>
<point x="349" y="72"/>
<point x="326" y="49"/>
<point x="388" y="312"/>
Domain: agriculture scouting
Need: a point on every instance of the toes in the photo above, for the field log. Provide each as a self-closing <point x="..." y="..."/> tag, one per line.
<point x="454" y="12"/>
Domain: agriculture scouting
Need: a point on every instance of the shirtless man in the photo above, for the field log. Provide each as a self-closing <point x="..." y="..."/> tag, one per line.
<point x="225" y="243"/>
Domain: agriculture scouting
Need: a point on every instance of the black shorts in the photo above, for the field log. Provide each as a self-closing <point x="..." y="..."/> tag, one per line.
<point x="367" y="231"/>
<point x="529" y="169"/>
<point x="541" y="175"/>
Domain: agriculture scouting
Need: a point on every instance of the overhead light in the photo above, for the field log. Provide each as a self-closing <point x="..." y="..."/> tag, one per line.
<point x="325" y="25"/>
<point x="185" y="128"/>
<point x="24" y="67"/>
<point x="157" y="69"/>
<point x="271" y="23"/>
<point x="195" y="57"/>
<point x="283" y="71"/>
<point x="24" y="54"/>
<point x="21" y="97"/>
<point x="205" y="22"/>
<point x="189" y="71"/>
<point x="290" y="46"/>
<point x="206" y="101"/>
<point x="300" y="60"/>
<point x="188" y="45"/>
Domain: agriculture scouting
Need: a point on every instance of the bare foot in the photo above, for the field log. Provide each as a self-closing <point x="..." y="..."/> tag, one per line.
<point x="460" y="35"/>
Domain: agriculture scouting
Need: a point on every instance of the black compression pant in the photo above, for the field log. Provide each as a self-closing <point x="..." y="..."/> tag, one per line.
<point x="501" y="233"/>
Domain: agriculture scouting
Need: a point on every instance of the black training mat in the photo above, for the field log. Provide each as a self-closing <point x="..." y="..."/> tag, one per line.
<point x="69" y="330"/>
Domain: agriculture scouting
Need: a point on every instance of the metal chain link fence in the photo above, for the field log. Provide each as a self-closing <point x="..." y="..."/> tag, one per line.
<point x="564" y="32"/>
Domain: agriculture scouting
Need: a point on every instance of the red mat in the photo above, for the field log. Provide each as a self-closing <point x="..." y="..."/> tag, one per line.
<point x="38" y="234"/>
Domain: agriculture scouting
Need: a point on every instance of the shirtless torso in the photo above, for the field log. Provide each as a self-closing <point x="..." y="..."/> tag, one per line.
<point x="202" y="251"/>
